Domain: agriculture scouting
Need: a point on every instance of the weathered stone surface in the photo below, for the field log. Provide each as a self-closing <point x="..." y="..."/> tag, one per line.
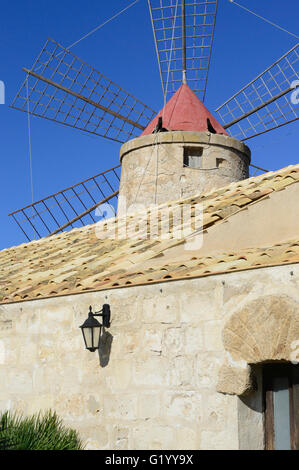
<point x="153" y="168"/>
<point x="151" y="371"/>
<point x="5" y="324"/>
<point x="121" y="437"/>
<point x="173" y="342"/>
<point x="184" y="406"/>
<point x="100" y="438"/>
<point x="121" y="406"/>
<point x="150" y="405"/>
<point x="152" y="309"/>
<point x="153" y="436"/>
<point x="157" y="388"/>
<point x="235" y="380"/>
<point x="218" y="440"/>
<point x="2" y="352"/>
<point x="263" y="330"/>
<point x="181" y="373"/>
<point x="251" y="417"/>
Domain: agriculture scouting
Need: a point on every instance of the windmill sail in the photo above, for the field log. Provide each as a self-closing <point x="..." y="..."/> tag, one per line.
<point x="69" y="208"/>
<point x="183" y="33"/>
<point x="63" y="88"/>
<point x="267" y="102"/>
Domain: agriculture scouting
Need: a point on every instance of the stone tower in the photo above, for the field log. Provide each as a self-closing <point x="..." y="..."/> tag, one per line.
<point x="183" y="151"/>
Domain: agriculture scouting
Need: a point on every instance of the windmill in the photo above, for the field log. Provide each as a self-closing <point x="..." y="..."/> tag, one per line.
<point x="63" y="88"/>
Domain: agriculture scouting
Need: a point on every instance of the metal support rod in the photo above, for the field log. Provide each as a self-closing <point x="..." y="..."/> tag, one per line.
<point x="59" y="205"/>
<point x="83" y="98"/>
<point x="264" y="132"/>
<point x="69" y="188"/>
<point x="184" y="41"/>
<point x="210" y="53"/>
<point x="28" y="219"/>
<point x="21" y="228"/>
<point x="259" y="168"/>
<point x="266" y="103"/>
<point x="156" y="46"/>
<point x="84" y="213"/>
<point x="259" y="76"/>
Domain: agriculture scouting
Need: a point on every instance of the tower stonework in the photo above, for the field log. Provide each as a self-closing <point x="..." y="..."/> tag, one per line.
<point x="166" y="166"/>
<point x="184" y="151"/>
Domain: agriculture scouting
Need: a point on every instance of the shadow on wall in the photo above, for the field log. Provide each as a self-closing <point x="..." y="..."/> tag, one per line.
<point x="105" y="348"/>
<point x="254" y="399"/>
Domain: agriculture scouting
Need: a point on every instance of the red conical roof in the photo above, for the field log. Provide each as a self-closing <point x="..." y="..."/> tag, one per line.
<point x="185" y="112"/>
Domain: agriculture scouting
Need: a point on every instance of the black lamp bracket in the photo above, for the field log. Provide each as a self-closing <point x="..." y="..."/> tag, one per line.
<point x="104" y="313"/>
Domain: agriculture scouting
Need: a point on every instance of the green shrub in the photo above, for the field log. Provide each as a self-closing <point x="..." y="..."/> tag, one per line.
<point x="37" y="432"/>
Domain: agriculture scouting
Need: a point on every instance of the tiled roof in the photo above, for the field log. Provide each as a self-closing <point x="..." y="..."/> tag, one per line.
<point x="78" y="261"/>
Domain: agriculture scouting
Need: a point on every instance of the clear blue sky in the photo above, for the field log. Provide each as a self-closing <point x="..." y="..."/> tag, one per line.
<point x="124" y="51"/>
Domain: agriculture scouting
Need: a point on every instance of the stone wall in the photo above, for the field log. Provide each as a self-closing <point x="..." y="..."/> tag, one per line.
<point x="153" y="384"/>
<point x="153" y="168"/>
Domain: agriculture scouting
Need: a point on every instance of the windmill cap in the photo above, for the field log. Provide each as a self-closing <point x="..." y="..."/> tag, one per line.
<point x="185" y="112"/>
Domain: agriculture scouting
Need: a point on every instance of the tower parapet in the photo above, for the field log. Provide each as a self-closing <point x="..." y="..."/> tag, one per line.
<point x="165" y="166"/>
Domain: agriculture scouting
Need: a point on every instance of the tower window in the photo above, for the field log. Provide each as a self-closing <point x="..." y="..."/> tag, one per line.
<point x="281" y="406"/>
<point x="221" y="163"/>
<point x="193" y="157"/>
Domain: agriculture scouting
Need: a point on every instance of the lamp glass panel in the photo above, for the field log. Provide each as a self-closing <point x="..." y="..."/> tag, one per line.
<point x="96" y="336"/>
<point x="87" y="332"/>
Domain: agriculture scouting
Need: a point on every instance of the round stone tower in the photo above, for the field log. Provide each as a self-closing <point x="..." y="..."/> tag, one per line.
<point x="184" y="151"/>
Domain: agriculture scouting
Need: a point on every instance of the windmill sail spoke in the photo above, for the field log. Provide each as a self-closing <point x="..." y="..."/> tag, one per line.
<point x="69" y="208"/>
<point x="183" y="32"/>
<point x="62" y="88"/>
<point x="266" y="103"/>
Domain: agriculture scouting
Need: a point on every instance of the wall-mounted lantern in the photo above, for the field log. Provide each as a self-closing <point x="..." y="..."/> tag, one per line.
<point x="91" y="328"/>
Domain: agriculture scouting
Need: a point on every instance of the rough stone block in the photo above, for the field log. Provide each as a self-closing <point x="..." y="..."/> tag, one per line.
<point x="149" y="405"/>
<point x="151" y="372"/>
<point x="173" y="343"/>
<point x="121" y="406"/>
<point x="152" y="436"/>
<point x="181" y="372"/>
<point x="235" y="380"/>
<point x="162" y="310"/>
<point x="213" y="335"/>
<point x="183" y="406"/>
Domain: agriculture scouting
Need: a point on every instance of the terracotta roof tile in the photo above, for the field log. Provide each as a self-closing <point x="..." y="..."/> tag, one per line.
<point x="78" y="261"/>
